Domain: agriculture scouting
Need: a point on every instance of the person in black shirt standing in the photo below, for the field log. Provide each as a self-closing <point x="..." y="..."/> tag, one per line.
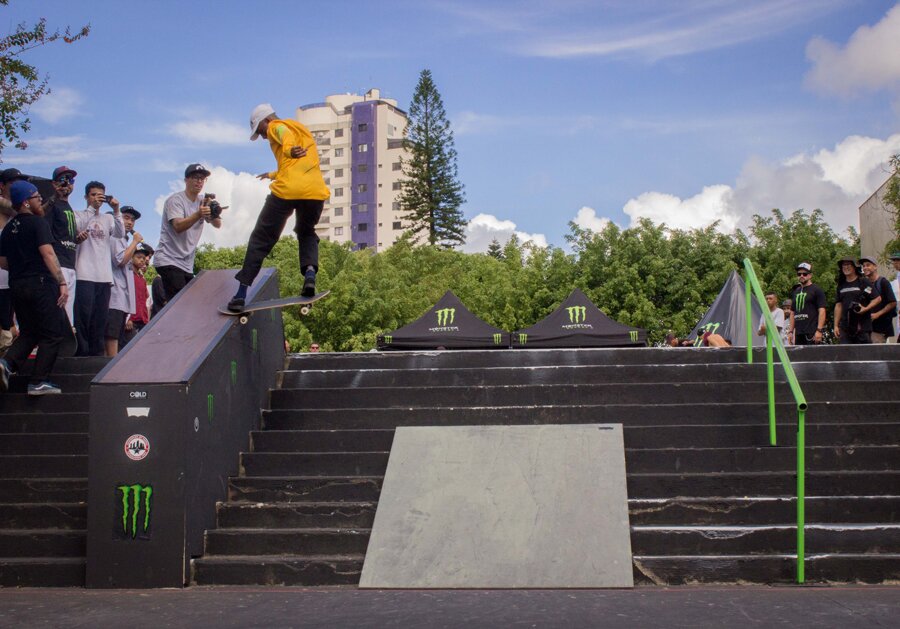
<point x="808" y="309"/>
<point x="883" y="315"/>
<point x="855" y="301"/>
<point x="61" y="217"/>
<point x="39" y="290"/>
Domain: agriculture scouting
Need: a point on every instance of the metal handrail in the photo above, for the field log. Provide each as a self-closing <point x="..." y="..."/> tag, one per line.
<point x="773" y="339"/>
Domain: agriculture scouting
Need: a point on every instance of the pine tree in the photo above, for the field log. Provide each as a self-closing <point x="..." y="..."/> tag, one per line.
<point x="430" y="191"/>
<point x="495" y="249"/>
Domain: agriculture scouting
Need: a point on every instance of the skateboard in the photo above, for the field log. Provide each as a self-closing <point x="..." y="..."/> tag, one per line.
<point x="305" y="304"/>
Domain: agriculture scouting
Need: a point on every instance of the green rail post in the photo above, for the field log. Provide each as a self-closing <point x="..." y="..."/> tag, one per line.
<point x="749" y="308"/>
<point x="773" y="339"/>
<point x="770" y="371"/>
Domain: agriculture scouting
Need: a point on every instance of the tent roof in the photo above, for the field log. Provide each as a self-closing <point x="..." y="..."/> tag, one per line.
<point x="728" y="315"/>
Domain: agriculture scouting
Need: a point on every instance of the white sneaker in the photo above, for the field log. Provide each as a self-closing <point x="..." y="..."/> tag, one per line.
<point x="44" y="388"/>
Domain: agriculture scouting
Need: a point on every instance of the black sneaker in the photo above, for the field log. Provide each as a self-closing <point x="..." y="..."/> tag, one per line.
<point x="4" y="375"/>
<point x="236" y="304"/>
<point x="309" y="284"/>
<point x="44" y="388"/>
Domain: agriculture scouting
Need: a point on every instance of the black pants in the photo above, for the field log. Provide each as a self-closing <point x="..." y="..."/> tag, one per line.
<point x="855" y="338"/>
<point x="269" y="225"/>
<point x="40" y="324"/>
<point x="91" y="308"/>
<point x="173" y="279"/>
<point x="6" y="309"/>
<point x="804" y="339"/>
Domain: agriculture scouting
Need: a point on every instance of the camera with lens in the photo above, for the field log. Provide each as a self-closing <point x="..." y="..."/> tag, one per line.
<point x="108" y="196"/>
<point x="864" y="299"/>
<point x="215" y="208"/>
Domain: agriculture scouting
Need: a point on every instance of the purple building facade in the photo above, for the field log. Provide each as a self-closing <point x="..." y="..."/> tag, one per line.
<point x="364" y="195"/>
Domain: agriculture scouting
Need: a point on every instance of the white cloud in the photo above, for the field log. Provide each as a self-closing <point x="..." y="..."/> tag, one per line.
<point x="870" y="60"/>
<point x="836" y="181"/>
<point x="210" y="132"/>
<point x="57" y="150"/>
<point x="244" y="195"/>
<point x="59" y="104"/>
<point x="484" y="228"/>
<point x="711" y="204"/>
<point x="587" y="219"/>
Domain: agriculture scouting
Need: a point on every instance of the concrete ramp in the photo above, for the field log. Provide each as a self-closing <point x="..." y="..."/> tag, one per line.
<point x="502" y="507"/>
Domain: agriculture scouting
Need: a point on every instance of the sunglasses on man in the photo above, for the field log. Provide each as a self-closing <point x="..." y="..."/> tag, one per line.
<point x="64" y="180"/>
<point x="802" y="274"/>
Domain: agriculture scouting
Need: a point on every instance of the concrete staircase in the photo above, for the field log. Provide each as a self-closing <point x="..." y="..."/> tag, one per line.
<point x="43" y="478"/>
<point x="709" y="500"/>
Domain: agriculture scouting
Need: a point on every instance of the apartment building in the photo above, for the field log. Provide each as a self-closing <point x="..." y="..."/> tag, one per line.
<point x="360" y="141"/>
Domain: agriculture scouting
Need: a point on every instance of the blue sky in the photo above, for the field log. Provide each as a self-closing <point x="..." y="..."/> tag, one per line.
<point x="563" y="111"/>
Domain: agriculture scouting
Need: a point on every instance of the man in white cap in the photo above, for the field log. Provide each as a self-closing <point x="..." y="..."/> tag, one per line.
<point x="808" y="309"/>
<point x="297" y="188"/>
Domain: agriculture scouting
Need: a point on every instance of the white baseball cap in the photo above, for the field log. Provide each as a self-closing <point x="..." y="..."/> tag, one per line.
<point x="260" y="112"/>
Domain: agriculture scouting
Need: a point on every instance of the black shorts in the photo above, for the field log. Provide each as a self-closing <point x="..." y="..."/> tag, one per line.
<point x="174" y="279"/>
<point x="115" y="323"/>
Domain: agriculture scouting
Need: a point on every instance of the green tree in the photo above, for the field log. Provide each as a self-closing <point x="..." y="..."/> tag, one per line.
<point x="430" y="192"/>
<point x="20" y="83"/>
<point x="495" y="250"/>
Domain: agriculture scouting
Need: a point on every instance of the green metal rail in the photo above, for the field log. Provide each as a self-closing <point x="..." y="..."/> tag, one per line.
<point x="773" y="339"/>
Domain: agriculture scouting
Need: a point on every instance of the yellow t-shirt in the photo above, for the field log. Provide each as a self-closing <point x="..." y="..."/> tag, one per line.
<point x="296" y="178"/>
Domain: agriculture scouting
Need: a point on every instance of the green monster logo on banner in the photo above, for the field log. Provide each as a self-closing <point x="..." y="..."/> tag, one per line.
<point x="136" y="498"/>
<point x="388" y="338"/>
<point x="498" y="338"/>
<point x="799" y="301"/>
<point x="576" y="314"/>
<point x="634" y="335"/>
<point x="523" y="338"/>
<point x="445" y="316"/>
<point x="707" y="327"/>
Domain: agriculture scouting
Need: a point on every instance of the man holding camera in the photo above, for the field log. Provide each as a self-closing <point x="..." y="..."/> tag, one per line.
<point x="184" y="215"/>
<point x="93" y="267"/>
<point x="855" y="301"/>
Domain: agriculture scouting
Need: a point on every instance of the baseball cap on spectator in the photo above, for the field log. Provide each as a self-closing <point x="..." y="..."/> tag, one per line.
<point x="19" y="191"/>
<point x="868" y="259"/>
<point x="786" y="302"/>
<point x="193" y="169"/>
<point x="63" y="170"/>
<point x="259" y="113"/>
<point x="806" y="266"/>
<point x="144" y="248"/>
<point x="11" y="174"/>
<point x="130" y="210"/>
<point x="895" y="255"/>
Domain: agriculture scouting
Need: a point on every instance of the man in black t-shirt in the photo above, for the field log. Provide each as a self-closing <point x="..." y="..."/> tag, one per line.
<point x="38" y="289"/>
<point x="61" y="218"/>
<point x="856" y="299"/>
<point x="883" y="315"/>
<point x="807" y="309"/>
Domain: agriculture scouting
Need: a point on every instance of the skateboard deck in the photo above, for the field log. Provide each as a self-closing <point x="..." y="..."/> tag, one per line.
<point x="305" y="304"/>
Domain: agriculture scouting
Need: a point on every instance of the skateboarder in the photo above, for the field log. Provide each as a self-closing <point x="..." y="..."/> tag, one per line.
<point x="297" y="188"/>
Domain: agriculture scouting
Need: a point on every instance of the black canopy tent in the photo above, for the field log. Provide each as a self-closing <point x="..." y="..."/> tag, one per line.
<point x="728" y="315"/>
<point x="578" y="323"/>
<point x="448" y="324"/>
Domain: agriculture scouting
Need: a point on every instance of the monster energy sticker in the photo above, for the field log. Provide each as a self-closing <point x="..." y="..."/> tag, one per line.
<point x="710" y="327"/>
<point x="136" y="503"/>
<point x="445" y="318"/>
<point x="577" y="316"/>
<point x="137" y="447"/>
<point x="523" y="338"/>
<point x="634" y="335"/>
<point x="498" y="338"/>
<point x="209" y="407"/>
<point x="388" y="338"/>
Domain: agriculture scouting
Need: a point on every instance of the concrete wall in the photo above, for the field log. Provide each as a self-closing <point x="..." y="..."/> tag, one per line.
<point x="876" y="225"/>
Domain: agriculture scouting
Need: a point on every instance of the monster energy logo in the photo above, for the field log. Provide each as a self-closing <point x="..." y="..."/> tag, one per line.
<point x="388" y="338"/>
<point x="707" y="327"/>
<point x="131" y="509"/>
<point x="445" y="316"/>
<point x="634" y="335"/>
<point x="70" y="219"/>
<point x="498" y="338"/>
<point x="523" y="338"/>
<point x="799" y="301"/>
<point x="209" y="407"/>
<point x="576" y="314"/>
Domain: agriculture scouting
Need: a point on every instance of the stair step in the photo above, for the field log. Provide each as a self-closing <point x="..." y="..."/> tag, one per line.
<point x="61" y="403"/>
<point x="314" y="463"/>
<point x="315" y="541"/>
<point x="305" y="489"/>
<point x="65" y="422"/>
<point x="59" y="443"/>
<point x="753" y="540"/>
<point x="44" y="466"/>
<point x="379" y="440"/>
<point x="586" y="394"/>
<point x="295" y="515"/>
<point x="71" y="365"/>
<point x="48" y="515"/>
<point x="626" y="414"/>
<point x="771" y="484"/>
<point x="42" y="571"/>
<point x="41" y="543"/>
<point x="763" y="510"/>
<point x="43" y="490"/>
<point x="278" y="570"/>
<point x="69" y="383"/>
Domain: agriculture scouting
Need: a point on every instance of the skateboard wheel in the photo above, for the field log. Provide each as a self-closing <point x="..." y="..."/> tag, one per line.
<point x="244" y="319"/>
<point x="304" y="310"/>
